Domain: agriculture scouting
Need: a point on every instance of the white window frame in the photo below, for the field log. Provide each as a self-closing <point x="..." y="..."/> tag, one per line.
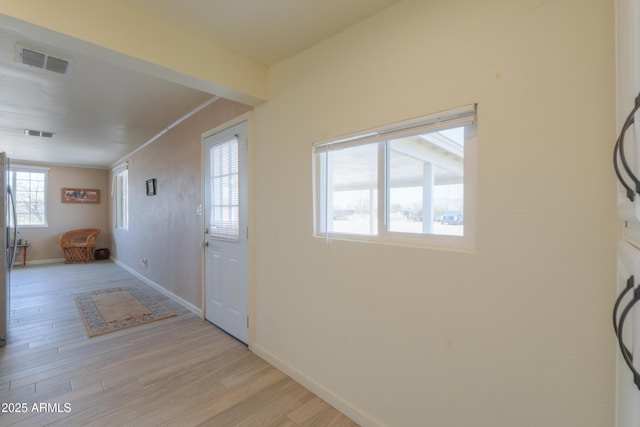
<point x="120" y="195"/>
<point x="32" y="169"/>
<point x="462" y="116"/>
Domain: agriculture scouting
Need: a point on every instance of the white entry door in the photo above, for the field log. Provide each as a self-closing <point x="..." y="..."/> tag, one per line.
<point x="226" y="221"/>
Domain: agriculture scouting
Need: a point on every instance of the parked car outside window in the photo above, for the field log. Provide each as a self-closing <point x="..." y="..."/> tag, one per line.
<point x="452" y="217"/>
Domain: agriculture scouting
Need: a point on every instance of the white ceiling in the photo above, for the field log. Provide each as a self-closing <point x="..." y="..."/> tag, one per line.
<point x="100" y="112"/>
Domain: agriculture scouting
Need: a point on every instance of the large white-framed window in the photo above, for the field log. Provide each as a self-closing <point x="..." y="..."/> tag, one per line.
<point x="29" y="185"/>
<point x="120" y="194"/>
<point x="411" y="182"/>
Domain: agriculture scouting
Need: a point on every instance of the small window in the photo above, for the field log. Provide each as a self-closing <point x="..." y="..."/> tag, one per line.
<point x="223" y="172"/>
<point x="409" y="182"/>
<point x="120" y="194"/>
<point x="29" y="186"/>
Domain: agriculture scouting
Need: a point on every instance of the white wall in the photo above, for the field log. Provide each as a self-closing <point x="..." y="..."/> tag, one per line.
<point x="518" y="332"/>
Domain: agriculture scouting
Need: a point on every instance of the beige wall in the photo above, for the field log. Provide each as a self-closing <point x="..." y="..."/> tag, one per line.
<point x="43" y="241"/>
<point x="518" y="332"/>
<point x="165" y="229"/>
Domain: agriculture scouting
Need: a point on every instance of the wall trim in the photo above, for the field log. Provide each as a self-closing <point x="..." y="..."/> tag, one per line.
<point x="344" y="406"/>
<point x="186" y="304"/>
<point x="168" y="128"/>
<point x="45" y="261"/>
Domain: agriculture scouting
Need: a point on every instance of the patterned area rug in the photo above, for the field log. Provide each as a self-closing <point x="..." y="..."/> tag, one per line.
<point x="109" y="310"/>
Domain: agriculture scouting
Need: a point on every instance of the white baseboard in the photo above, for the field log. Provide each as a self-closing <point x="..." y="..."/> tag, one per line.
<point x="46" y="261"/>
<point x="186" y="304"/>
<point x="321" y="391"/>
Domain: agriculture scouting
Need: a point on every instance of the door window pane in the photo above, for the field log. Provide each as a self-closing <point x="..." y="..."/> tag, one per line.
<point x="224" y="221"/>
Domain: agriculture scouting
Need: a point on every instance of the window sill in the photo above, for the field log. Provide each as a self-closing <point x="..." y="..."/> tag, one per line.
<point x="430" y="242"/>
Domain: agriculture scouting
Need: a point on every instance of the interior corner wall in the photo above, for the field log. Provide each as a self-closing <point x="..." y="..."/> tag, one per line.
<point x="517" y="332"/>
<point x="166" y="229"/>
<point x="44" y="245"/>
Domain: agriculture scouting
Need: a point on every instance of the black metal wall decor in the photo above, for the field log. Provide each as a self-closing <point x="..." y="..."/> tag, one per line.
<point x="618" y="151"/>
<point x="151" y="187"/>
<point x="618" y="325"/>
<point x="631" y="190"/>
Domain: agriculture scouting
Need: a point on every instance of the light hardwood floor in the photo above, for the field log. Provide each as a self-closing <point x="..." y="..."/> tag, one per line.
<point x="180" y="371"/>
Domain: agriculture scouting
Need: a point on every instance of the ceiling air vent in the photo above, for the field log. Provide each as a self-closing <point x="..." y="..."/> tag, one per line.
<point x="40" y="133"/>
<point x="32" y="58"/>
<point x="42" y="60"/>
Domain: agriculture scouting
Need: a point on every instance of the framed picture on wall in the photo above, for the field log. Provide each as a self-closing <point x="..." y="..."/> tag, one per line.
<point x="80" y="195"/>
<point x="151" y="187"/>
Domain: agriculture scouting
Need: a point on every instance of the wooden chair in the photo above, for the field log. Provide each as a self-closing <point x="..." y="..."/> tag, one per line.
<point x="78" y="245"/>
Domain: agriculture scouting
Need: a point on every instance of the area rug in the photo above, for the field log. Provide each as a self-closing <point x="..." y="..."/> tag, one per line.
<point x="110" y="310"/>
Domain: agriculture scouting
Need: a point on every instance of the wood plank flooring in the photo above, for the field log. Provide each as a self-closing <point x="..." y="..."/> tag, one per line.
<point x="180" y="371"/>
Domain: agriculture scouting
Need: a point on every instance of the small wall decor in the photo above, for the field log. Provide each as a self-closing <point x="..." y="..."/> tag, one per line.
<point x="151" y="187"/>
<point x="80" y="195"/>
